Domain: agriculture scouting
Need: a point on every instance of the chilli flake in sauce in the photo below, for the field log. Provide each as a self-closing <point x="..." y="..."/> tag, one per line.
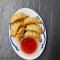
<point x="28" y="45"/>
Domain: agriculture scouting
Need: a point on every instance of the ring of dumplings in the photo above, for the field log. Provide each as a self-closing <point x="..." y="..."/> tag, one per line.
<point x="22" y="25"/>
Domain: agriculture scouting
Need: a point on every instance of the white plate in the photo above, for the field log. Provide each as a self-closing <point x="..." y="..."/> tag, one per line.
<point x="16" y="46"/>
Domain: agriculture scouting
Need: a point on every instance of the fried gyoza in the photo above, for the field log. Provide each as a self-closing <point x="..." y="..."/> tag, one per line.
<point x="15" y="27"/>
<point x="34" y="27"/>
<point x="30" y="20"/>
<point x="20" y="34"/>
<point x="17" y="17"/>
<point x="33" y="34"/>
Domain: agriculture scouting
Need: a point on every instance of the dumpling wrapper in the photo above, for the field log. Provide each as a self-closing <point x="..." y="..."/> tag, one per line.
<point x="17" y="17"/>
<point x="20" y="34"/>
<point x="33" y="34"/>
<point x="35" y="27"/>
<point x="14" y="27"/>
<point x="30" y="20"/>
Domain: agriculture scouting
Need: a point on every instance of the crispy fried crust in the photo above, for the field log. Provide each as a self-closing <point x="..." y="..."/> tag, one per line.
<point x="30" y="20"/>
<point x="20" y="34"/>
<point x="35" y="27"/>
<point x="33" y="34"/>
<point x="17" y="17"/>
<point x="15" y="26"/>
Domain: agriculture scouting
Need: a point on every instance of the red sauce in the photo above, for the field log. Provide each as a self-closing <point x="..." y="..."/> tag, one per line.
<point x="28" y="45"/>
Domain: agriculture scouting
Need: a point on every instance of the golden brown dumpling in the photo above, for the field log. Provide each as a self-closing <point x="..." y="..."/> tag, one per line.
<point x="17" y="17"/>
<point x="20" y="34"/>
<point x="33" y="34"/>
<point x="34" y="27"/>
<point x="30" y="20"/>
<point x="15" y="27"/>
